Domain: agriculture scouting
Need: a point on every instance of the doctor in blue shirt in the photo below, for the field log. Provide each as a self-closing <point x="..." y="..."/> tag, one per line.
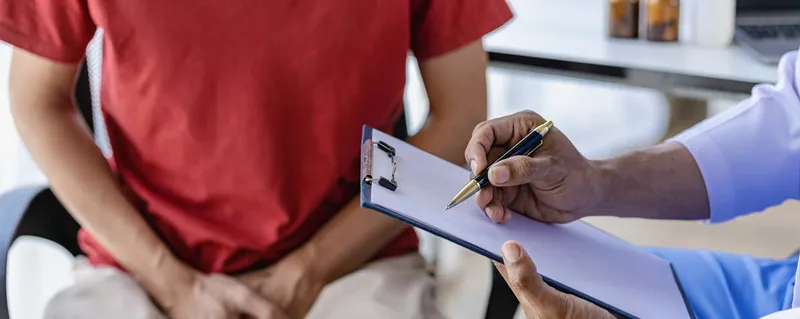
<point x="742" y="161"/>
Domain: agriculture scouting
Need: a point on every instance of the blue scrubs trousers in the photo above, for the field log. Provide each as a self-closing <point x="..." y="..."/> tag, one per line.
<point x="732" y="286"/>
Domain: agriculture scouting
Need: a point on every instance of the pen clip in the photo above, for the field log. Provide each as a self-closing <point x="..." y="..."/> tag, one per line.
<point x="528" y="153"/>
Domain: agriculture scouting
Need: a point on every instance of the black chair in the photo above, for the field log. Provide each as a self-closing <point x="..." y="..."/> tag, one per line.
<point x="502" y="302"/>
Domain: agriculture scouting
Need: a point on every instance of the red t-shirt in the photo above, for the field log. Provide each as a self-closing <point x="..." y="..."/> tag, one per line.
<point x="238" y="123"/>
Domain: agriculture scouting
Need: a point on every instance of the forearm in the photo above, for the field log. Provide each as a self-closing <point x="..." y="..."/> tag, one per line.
<point x="660" y="182"/>
<point x="735" y="163"/>
<point x="356" y="234"/>
<point x="79" y="175"/>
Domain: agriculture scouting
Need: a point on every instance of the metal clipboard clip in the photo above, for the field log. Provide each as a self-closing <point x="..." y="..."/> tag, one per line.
<point x="390" y="184"/>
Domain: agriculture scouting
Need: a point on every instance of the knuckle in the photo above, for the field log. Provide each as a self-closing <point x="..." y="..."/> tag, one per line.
<point x="530" y="115"/>
<point x="485" y="141"/>
<point x="482" y="136"/>
<point x="520" y="282"/>
<point x="529" y="119"/>
<point x="480" y="127"/>
<point x="522" y="169"/>
<point x="472" y="152"/>
<point x="485" y="132"/>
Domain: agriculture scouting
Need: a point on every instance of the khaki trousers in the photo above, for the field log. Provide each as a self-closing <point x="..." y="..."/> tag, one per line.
<point x="392" y="288"/>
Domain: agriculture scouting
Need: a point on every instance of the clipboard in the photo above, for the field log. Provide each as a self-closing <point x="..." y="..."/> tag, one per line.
<point x="409" y="184"/>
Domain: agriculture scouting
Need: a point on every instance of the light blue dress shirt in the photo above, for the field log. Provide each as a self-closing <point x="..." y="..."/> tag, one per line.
<point x="749" y="158"/>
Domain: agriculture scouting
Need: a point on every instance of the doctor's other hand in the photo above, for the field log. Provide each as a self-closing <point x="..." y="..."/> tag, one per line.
<point x="556" y="184"/>
<point x="539" y="300"/>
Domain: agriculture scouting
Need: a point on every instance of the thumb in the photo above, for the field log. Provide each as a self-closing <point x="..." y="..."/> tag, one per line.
<point x="537" y="299"/>
<point x="520" y="272"/>
<point x="518" y="170"/>
<point x="534" y="295"/>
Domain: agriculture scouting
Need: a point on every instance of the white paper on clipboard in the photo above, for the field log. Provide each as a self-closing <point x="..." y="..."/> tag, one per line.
<point x="581" y="258"/>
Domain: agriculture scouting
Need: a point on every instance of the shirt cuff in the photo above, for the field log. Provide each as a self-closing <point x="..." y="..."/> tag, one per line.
<point x="748" y="155"/>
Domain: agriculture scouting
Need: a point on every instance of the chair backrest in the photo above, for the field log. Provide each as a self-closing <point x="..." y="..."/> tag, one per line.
<point x="83" y="96"/>
<point x="401" y="127"/>
<point x="46" y="218"/>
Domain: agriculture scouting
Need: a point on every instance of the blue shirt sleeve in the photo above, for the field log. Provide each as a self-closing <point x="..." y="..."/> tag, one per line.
<point x="749" y="156"/>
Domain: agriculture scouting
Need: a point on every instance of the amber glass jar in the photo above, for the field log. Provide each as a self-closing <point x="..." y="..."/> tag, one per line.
<point x="623" y="18"/>
<point x="663" y="18"/>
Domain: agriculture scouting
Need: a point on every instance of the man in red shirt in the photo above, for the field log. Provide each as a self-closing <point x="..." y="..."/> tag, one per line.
<point x="235" y="130"/>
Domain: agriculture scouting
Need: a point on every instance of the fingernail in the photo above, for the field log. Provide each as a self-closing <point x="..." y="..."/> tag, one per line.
<point x="511" y="252"/>
<point x="506" y="217"/>
<point x="474" y="165"/>
<point x="500" y="173"/>
<point x="490" y="213"/>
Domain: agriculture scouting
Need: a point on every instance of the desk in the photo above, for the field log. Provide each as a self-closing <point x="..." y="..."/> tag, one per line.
<point x="568" y="38"/>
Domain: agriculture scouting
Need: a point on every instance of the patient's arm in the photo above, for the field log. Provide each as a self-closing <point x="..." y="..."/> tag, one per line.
<point x="61" y="144"/>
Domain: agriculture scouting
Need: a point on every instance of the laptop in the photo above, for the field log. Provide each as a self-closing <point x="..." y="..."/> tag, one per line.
<point x="768" y="29"/>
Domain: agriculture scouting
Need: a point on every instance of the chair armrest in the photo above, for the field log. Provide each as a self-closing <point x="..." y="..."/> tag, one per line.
<point x="32" y="211"/>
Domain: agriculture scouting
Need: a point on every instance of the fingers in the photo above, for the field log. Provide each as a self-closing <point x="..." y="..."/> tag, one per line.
<point x="259" y="308"/>
<point x="482" y="140"/>
<point x="490" y="201"/>
<point x="495" y="212"/>
<point x="534" y="295"/>
<point x="520" y="271"/>
<point x="243" y="300"/>
<point x="518" y="170"/>
<point x="484" y="200"/>
<point x="513" y="171"/>
<point x="484" y="197"/>
<point x="493" y="202"/>
<point x="498" y="131"/>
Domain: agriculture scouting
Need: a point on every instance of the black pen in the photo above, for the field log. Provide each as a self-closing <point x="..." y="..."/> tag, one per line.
<point x="526" y="146"/>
